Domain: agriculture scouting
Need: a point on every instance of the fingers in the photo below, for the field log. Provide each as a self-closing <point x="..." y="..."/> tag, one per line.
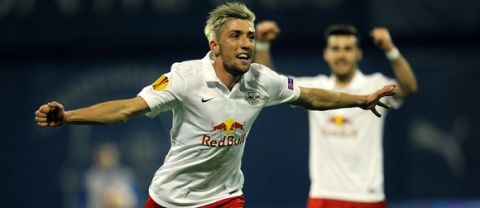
<point x="387" y="90"/>
<point x="267" y="26"/>
<point x="48" y="124"/>
<point x="55" y="104"/>
<point x="380" y="33"/>
<point x="383" y="105"/>
<point x="381" y="38"/>
<point x="40" y="118"/>
<point x="44" y="109"/>
<point x="376" y="112"/>
<point x="46" y="115"/>
<point x="41" y="115"/>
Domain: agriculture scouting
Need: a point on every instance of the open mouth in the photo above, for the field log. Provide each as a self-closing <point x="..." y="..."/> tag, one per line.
<point x="243" y="56"/>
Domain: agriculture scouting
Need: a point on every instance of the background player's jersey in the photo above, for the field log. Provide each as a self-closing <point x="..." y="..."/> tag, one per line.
<point x="346" y="158"/>
<point x="209" y="130"/>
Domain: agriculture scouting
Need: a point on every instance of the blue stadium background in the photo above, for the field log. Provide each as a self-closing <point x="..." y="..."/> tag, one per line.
<point x="84" y="52"/>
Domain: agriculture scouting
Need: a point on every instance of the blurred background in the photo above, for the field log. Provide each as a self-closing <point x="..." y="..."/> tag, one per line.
<point x="80" y="52"/>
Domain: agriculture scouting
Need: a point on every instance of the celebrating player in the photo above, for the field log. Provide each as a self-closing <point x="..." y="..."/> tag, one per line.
<point x="215" y="101"/>
<point x="346" y="158"/>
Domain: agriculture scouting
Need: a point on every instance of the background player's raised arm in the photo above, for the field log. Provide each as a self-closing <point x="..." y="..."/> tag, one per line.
<point x="404" y="75"/>
<point x="265" y="32"/>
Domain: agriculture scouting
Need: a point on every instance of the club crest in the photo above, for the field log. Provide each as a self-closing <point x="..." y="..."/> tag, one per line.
<point x="253" y="98"/>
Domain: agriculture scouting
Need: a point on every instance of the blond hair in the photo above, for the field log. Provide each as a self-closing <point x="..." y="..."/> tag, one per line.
<point x="219" y="17"/>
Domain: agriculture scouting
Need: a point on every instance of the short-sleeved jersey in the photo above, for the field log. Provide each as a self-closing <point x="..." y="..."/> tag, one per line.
<point x="209" y="130"/>
<point x="346" y="158"/>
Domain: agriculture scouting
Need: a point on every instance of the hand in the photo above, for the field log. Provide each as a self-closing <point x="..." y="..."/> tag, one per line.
<point x="381" y="38"/>
<point x="266" y="31"/>
<point x="374" y="99"/>
<point x="50" y="115"/>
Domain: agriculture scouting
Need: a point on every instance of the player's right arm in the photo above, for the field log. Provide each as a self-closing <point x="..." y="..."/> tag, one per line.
<point x="53" y="113"/>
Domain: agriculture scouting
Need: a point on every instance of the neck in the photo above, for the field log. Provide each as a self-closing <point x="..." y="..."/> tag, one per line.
<point x="342" y="81"/>
<point x="225" y="76"/>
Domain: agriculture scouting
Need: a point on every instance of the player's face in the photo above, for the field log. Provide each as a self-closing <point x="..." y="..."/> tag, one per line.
<point x="236" y="44"/>
<point x="342" y="54"/>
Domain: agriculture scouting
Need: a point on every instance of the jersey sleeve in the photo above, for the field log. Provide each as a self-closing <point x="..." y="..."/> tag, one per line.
<point x="164" y="94"/>
<point x="282" y="89"/>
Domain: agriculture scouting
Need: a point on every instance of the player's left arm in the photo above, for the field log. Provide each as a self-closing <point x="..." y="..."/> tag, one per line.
<point x="403" y="72"/>
<point x="320" y="99"/>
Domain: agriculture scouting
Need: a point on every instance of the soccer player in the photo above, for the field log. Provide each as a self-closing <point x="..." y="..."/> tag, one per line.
<point x="215" y="101"/>
<point x="346" y="158"/>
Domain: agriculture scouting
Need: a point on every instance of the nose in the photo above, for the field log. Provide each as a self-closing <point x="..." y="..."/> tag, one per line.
<point x="246" y="43"/>
<point x="340" y="54"/>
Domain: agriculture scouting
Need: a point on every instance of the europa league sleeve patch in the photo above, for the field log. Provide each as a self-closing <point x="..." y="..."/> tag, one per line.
<point x="290" y="83"/>
<point x="161" y="83"/>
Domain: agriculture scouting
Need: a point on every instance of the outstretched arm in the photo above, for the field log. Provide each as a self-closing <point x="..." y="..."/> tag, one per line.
<point x="265" y="33"/>
<point x="53" y="113"/>
<point x="403" y="72"/>
<point x="320" y="99"/>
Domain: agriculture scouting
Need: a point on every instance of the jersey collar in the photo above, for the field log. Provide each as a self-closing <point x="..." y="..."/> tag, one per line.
<point x="208" y="70"/>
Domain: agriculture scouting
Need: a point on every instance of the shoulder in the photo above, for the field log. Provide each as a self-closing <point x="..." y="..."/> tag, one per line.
<point x="186" y="71"/>
<point x="319" y="77"/>
<point x="187" y="67"/>
<point x="261" y="77"/>
<point x="377" y="76"/>
<point x="260" y="73"/>
<point x="377" y="79"/>
<point x="259" y="69"/>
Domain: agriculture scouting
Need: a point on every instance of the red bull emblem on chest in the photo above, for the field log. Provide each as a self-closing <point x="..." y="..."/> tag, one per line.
<point x="227" y="133"/>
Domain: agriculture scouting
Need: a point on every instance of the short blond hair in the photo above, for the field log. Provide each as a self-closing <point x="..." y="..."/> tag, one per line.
<point x="219" y="17"/>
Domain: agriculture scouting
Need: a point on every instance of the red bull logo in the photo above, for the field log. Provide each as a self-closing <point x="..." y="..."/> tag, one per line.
<point x="228" y="126"/>
<point x="342" y="129"/>
<point x="339" y="120"/>
<point x="231" y="133"/>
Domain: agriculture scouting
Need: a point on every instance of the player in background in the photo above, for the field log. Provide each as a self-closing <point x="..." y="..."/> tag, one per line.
<point x="346" y="156"/>
<point x="107" y="182"/>
<point x="214" y="101"/>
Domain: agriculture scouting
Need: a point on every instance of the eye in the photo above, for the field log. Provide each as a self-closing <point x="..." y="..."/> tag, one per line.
<point x="251" y="36"/>
<point x="335" y="48"/>
<point x="349" y="48"/>
<point x="235" y="35"/>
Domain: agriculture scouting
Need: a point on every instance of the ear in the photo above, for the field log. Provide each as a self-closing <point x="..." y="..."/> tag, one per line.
<point x="214" y="47"/>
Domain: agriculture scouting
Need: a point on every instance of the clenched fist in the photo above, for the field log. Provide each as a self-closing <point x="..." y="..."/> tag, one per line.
<point x="381" y="38"/>
<point x="267" y="31"/>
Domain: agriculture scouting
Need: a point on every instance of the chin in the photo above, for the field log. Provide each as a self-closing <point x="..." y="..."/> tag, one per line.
<point x="238" y="70"/>
<point x="244" y="66"/>
<point x="244" y="69"/>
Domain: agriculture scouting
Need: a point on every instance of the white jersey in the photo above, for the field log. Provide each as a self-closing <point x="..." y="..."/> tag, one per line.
<point x="346" y="158"/>
<point x="209" y="130"/>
